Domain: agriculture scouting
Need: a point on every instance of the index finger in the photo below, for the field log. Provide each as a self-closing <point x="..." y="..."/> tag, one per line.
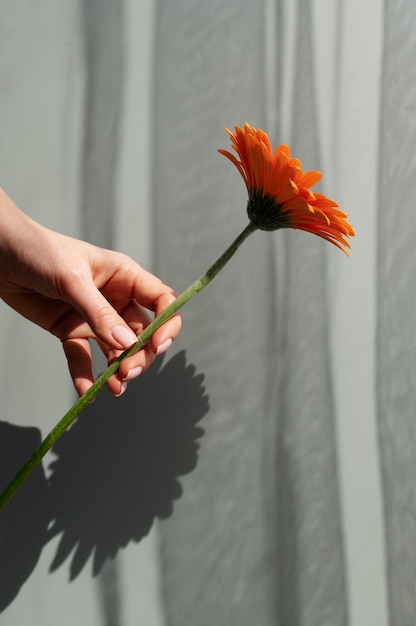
<point x="155" y="295"/>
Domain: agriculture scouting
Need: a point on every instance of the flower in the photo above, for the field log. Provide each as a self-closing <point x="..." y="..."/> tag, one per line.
<point x="278" y="197"/>
<point x="279" y="194"/>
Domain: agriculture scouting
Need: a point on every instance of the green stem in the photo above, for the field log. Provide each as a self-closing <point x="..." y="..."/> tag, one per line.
<point x="85" y="399"/>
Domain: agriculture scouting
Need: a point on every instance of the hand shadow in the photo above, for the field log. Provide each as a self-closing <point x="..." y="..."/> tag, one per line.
<point x="24" y="521"/>
<point x="117" y="468"/>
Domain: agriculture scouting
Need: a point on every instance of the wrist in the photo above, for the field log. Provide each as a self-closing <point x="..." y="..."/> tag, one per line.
<point x="16" y="234"/>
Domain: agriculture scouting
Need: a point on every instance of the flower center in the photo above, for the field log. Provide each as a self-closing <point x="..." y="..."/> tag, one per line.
<point x="264" y="212"/>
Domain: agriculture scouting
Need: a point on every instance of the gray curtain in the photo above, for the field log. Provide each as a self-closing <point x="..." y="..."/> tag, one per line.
<point x="396" y="301"/>
<point x="268" y="464"/>
<point x="263" y="472"/>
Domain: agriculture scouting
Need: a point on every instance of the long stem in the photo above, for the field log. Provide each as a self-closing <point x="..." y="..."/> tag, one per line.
<point x="84" y="400"/>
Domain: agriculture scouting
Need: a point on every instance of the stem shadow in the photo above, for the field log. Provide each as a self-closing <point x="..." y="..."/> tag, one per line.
<point x="24" y="521"/>
<point x="116" y="470"/>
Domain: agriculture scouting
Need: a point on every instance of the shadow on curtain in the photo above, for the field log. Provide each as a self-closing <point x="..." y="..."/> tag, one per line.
<point x="116" y="470"/>
<point x="256" y="537"/>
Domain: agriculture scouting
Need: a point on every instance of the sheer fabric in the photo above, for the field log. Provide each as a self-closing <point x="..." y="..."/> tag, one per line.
<point x="298" y="506"/>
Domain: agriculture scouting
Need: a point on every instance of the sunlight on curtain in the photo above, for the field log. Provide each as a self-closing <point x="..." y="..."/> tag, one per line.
<point x="42" y="75"/>
<point x="352" y="159"/>
<point x="76" y="88"/>
<point x="295" y="506"/>
<point x="263" y="506"/>
<point x="307" y="363"/>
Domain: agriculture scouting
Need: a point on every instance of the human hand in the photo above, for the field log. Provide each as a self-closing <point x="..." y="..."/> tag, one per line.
<point x="79" y="292"/>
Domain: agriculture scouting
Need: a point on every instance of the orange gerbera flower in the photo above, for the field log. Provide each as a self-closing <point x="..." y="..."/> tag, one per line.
<point x="279" y="194"/>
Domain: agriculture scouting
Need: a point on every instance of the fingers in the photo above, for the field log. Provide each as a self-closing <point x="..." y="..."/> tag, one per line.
<point x="103" y="319"/>
<point x="137" y="318"/>
<point x="108" y="300"/>
<point x="79" y="359"/>
<point x="157" y="296"/>
<point x="78" y="354"/>
<point x="116" y="280"/>
<point x="129" y="369"/>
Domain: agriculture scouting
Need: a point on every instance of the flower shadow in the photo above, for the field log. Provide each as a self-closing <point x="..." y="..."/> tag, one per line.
<point x="24" y="522"/>
<point x="117" y="468"/>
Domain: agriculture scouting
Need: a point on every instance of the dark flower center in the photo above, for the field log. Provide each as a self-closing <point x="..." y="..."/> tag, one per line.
<point x="265" y="213"/>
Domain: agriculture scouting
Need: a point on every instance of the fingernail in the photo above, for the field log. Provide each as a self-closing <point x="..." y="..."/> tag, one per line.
<point x="125" y="336"/>
<point x="164" y="346"/>
<point x="122" y="389"/>
<point x="134" y="373"/>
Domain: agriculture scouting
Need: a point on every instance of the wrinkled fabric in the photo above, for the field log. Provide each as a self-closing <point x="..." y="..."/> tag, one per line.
<point x="261" y="472"/>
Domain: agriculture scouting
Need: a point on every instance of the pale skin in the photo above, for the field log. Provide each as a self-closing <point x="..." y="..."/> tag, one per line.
<point x="79" y="292"/>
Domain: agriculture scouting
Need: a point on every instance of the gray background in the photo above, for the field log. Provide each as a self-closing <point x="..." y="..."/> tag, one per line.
<point x="290" y="500"/>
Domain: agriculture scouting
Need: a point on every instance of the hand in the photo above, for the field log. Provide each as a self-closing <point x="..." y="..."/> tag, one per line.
<point x="78" y="292"/>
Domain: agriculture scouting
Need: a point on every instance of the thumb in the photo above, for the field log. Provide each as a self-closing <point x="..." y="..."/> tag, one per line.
<point x="103" y="319"/>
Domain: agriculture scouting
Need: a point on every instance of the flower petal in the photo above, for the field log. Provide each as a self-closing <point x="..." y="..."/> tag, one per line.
<point x="279" y="190"/>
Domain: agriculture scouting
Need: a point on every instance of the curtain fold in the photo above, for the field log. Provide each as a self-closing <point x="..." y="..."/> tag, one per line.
<point x="396" y="346"/>
<point x="104" y="46"/>
<point x="294" y="505"/>
<point x="254" y="553"/>
<point x="217" y="544"/>
<point x="308" y="487"/>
